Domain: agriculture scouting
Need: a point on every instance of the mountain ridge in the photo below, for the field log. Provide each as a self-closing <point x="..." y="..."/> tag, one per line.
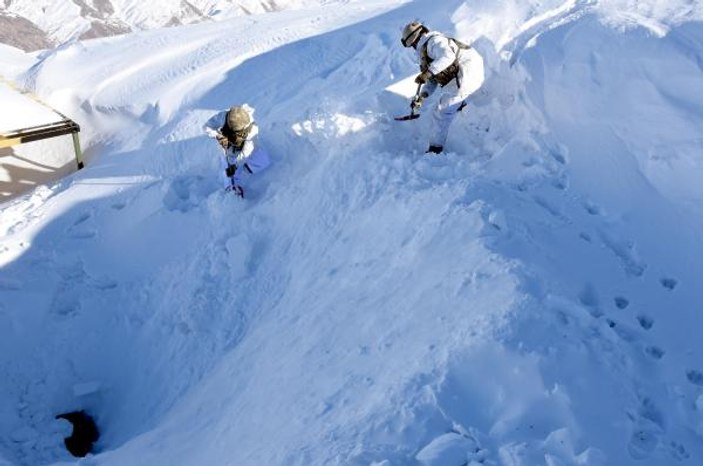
<point x="32" y="26"/>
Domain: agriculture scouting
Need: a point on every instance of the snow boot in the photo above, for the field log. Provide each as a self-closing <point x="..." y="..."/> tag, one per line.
<point x="434" y="149"/>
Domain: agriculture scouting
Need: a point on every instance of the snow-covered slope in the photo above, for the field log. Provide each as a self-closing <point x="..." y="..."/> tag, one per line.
<point x="529" y="298"/>
<point x="32" y="24"/>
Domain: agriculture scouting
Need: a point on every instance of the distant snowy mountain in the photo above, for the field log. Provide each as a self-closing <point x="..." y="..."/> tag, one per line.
<point x="31" y="24"/>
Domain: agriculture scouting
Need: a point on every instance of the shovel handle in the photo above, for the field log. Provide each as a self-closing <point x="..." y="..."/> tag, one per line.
<point x="412" y="115"/>
<point x="417" y="94"/>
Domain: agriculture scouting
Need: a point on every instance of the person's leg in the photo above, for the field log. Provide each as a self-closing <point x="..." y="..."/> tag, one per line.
<point x="258" y="160"/>
<point x="442" y="117"/>
<point x="226" y="181"/>
<point x="237" y="178"/>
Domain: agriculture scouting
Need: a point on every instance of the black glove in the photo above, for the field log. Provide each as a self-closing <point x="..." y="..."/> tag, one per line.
<point x="223" y="141"/>
<point x="231" y="170"/>
<point x="423" y="77"/>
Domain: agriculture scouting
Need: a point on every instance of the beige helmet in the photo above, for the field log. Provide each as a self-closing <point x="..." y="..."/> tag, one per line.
<point x="412" y="33"/>
<point x="238" y="119"/>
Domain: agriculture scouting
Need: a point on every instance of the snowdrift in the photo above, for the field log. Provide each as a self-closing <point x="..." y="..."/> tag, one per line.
<point x="529" y="298"/>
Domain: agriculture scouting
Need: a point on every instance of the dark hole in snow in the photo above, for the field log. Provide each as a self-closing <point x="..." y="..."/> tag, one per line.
<point x="669" y="283"/>
<point x="85" y="433"/>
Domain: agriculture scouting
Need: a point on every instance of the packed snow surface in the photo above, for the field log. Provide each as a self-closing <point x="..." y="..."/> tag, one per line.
<point x="528" y="298"/>
<point x="22" y="111"/>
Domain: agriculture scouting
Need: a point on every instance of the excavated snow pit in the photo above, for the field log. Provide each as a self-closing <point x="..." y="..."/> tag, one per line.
<point x="84" y="435"/>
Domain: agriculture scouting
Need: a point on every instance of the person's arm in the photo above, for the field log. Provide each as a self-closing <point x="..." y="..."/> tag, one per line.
<point x="214" y="124"/>
<point x="442" y="54"/>
<point x="226" y="180"/>
<point x="428" y="89"/>
<point x="248" y="148"/>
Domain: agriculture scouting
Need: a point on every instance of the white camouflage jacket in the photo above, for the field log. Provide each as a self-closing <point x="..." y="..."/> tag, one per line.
<point x="442" y="51"/>
<point x="233" y="157"/>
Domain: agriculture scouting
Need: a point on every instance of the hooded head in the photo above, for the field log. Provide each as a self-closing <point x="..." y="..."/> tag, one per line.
<point x="239" y="124"/>
<point x="412" y="33"/>
<point x="238" y="119"/>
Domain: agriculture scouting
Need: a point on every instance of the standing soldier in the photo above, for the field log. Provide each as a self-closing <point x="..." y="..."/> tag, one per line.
<point x="446" y="63"/>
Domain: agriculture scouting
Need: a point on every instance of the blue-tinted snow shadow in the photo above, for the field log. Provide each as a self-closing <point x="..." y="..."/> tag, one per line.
<point x="65" y="300"/>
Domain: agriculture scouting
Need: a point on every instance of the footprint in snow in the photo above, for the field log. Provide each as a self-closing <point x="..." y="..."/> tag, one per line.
<point x="643" y="442"/>
<point x="590" y="300"/>
<point x="82" y="218"/>
<point x="558" y="156"/>
<point x="592" y="208"/>
<point x="654" y="352"/>
<point x="625" y="252"/>
<point x="186" y="192"/>
<point x="561" y="184"/>
<point x="77" y="232"/>
<point x="678" y="451"/>
<point x="549" y="208"/>
<point x="669" y="283"/>
<point x="103" y="283"/>
<point x="645" y="321"/>
<point x="649" y="426"/>
<point x="695" y="377"/>
<point x="84" y="234"/>
<point x="66" y="306"/>
<point x="621" y="303"/>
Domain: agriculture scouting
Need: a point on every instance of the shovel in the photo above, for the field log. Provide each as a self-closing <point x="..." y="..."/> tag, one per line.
<point x="413" y="115"/>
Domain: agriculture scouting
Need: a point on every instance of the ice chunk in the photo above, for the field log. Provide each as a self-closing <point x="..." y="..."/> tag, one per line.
<point x="450" y="449"/>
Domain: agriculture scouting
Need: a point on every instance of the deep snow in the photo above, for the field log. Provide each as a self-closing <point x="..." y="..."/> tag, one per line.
<point x="529" y="298"/>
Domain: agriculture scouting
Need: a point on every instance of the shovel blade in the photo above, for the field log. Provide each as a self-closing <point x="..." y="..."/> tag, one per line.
<point x="412" y="116"/>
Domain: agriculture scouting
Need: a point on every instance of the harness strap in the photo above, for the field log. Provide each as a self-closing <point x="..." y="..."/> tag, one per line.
<point x="445" y="76"/>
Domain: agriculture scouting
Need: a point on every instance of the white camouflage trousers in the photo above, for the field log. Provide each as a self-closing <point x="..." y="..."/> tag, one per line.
<point x="452" y="96"/>
<point x="257" y="161"/>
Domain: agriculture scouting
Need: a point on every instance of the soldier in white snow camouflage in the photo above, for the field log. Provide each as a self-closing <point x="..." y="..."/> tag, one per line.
<point x="235" y="130"/>
<point x="448" y="64"/>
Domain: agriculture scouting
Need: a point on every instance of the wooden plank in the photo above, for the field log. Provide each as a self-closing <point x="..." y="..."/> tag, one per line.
<point x="38" y="133"/>
<point x="9" y="142"/>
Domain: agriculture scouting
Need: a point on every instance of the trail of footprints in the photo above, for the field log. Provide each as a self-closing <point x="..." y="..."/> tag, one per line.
<point x="624" y="251"/>
<point x="644" y="322"/>
<point x="81" y="227"/>
<point x="649" y="423"/>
